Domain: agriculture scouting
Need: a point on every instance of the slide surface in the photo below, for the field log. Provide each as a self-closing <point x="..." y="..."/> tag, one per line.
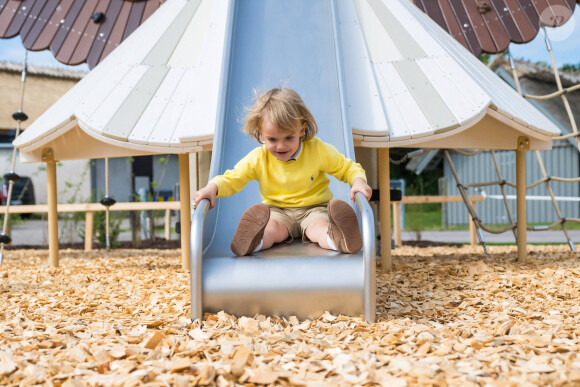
<point x="304" y="37"/>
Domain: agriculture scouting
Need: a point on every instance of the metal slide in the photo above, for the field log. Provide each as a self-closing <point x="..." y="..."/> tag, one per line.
<point x="296" y="44"/>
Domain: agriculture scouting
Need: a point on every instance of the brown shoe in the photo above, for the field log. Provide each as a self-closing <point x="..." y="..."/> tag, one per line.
<point x="343" y="227"/>
<point x="250" y="229"/>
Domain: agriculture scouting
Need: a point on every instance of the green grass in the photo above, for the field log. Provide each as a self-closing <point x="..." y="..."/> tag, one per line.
<point x="427" y="217"/>
<point x="423" y="217"/>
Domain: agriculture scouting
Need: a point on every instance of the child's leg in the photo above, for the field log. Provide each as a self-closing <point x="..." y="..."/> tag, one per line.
<point x="275" y="232"/>
<point x="317" y="231"/>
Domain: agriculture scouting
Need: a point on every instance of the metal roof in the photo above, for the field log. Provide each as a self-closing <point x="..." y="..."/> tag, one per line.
<point x="490" y="25"/>
<point x="73" y="29"/>
<point x="408" y="83"/>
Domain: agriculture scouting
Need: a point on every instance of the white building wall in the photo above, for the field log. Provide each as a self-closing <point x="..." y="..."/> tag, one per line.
<point x="73" y="177"/>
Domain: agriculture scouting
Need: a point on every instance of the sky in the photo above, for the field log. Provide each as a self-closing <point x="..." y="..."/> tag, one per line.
<point x="565" y="44"/>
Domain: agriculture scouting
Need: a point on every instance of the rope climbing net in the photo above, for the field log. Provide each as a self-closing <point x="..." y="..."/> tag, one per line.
<point x="545" y="179"/>
<point x="12" y="177"/>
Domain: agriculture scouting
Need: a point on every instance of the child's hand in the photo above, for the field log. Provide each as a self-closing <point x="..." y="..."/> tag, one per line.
<point x="359" y="185"/>
<point x="208" y="192"/>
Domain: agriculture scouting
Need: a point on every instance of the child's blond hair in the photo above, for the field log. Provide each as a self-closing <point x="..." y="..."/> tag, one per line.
<point x="285" y="109"/>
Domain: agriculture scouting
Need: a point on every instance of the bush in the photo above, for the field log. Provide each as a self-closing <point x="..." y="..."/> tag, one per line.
<point x="115" y="219"/>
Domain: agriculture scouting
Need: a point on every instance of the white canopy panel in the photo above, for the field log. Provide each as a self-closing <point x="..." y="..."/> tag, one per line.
<point x="156" y="93"/>
<point x="414" y="83"/>
<point x="408" y="83"/>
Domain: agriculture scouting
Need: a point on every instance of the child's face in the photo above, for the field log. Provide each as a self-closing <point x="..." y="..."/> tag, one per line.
<point x="280" y="145"/>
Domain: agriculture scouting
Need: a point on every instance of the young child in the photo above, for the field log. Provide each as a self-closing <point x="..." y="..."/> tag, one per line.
<point x="291" y="169"/>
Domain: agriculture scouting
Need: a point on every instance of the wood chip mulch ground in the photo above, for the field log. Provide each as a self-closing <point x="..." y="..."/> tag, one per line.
<point x="445" y="316"/>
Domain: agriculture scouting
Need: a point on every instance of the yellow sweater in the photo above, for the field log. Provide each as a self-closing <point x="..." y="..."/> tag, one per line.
<point x="296" y="183"/>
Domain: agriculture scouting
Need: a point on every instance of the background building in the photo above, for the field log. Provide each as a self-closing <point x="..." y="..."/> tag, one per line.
<point x="78" y="180"/>
<point x="42" y="88"/>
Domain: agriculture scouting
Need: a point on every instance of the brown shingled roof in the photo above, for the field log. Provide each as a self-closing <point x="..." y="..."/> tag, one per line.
<point x="74" y="30"/>
<point x="75" y="34"/>
<point x="490" y="25"/>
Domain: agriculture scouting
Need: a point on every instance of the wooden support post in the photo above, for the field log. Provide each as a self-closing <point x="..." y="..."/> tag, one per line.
<point x="472" y="228"/>
<point x="397" y="224"/>
<point x="89" y="216"/>
<point x="48" y="158"/>
<point x="185" y="209"/>
<point x="8" y="230"/>
<point x="167" y="225"/>
<point x="385" y="208"/>
<point x="522" y="146"/>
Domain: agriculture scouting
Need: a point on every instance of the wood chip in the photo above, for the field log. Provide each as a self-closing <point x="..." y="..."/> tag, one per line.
<point x="102" y="356"/>
<point x="242" y="356"/>
<point x="179" y="364"/>
<point x="7" y="365"/>
<point x="264" y="376"/>
<point x="445" y="316"/>
<point x="154" y="340"/>
<point x="249" y="324"/>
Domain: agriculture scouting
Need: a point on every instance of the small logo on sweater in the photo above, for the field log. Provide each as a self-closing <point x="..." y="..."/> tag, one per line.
<point x="311" y="178"/>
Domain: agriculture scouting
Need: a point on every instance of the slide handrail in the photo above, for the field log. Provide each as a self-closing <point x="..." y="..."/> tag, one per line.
<point x="195" y="281"/>
<point x="369" y="256"/>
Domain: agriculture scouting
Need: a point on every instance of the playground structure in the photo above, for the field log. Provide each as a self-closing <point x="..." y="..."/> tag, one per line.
<point x="545" y="180"/>
<point x="375" y="74"/>
<point x="491" y="29"/>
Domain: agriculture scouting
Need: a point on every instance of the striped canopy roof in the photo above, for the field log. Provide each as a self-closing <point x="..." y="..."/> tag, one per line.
<point x="408" y="83"/>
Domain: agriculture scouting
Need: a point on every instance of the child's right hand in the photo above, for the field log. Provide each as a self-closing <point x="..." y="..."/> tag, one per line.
<point x="208" y="192"/>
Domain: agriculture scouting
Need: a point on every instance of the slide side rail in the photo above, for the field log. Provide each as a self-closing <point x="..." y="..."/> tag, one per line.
<point x="369" y="259"/>
<point x="369" y="256"/>
<point x="195" y="282"/>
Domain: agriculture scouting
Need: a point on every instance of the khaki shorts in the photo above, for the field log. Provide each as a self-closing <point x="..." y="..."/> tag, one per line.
<point x="297" y="219"/>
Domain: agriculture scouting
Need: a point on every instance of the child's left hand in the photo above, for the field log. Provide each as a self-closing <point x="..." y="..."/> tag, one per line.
<point x="359" y="185"/>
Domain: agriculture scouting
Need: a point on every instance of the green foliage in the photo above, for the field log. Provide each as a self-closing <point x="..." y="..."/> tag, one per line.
<point x="430" y="217"/>
<point x="423" y="184"/>
<point x="570" y="67"/>
<point x="13" y="220"/>
<point x="71" y="220"/>
<point x="99" y="224"/>
<point x="100" y="227"/>
<point x="485" y="58"/>
<point x="418" y="217"/>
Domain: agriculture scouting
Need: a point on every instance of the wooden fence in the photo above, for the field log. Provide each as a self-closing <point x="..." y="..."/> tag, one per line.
<point x="431" y="199"/>
<point x="90" y="208"/>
